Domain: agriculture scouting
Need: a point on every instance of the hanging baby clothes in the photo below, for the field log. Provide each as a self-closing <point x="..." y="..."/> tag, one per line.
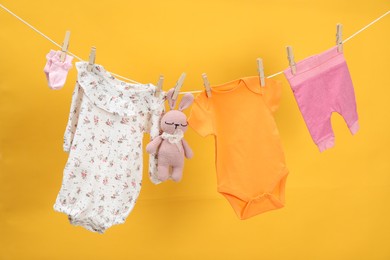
<point x="55" y="70"/>
<point x="322" y="85"/>
<point x="250" y="164"/>
<point x="102" y="177"/>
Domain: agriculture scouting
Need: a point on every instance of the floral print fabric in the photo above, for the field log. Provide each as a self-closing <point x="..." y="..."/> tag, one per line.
<point x="103" y="174"/>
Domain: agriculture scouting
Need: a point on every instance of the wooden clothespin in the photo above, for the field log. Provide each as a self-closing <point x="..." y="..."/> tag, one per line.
<point x="339" y="37"/>
<point x="92" y="56"/>
<point x="65" y="46"/>
<point x="290" y="56"/>
<point x="260" y="69"/>
<point x="159" y="86"/>
<point x="206" y="84"/>
<point x="178" y="85"/>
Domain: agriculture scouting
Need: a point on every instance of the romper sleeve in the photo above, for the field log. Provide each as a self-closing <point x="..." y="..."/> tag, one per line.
<point x="273" y="94"/>
<point x="73" y="118"/>
<point x="200" y="118"/>
<point x="157" y="109"/>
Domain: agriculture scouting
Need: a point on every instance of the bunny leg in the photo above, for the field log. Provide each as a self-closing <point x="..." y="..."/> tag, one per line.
<point x="177" y="173"/>
<point x="163" y="172"/>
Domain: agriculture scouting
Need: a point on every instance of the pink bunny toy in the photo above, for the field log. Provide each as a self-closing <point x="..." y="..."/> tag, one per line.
<point x="170" y="145"/>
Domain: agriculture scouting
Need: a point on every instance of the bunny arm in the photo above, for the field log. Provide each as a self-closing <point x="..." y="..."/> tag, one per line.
<point x="153" y="145"/>
<point x="187" y="150"/>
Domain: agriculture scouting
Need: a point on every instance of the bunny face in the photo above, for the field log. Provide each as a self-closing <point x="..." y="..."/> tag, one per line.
<point x="174" y="120"/>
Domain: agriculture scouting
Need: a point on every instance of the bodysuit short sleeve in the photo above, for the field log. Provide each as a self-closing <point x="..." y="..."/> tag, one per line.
<point x="272" y="95"/>
<point x="201" y="116"/>
<point x="157" y="109"/>
<point x="73" y="118"/>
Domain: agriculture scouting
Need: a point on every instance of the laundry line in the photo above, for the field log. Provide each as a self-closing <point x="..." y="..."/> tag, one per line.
<point x="184" y="92"/>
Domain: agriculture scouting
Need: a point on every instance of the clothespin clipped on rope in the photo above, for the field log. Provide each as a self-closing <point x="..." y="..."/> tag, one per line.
<point x="159" y="86"/>
<point x="339" y="37"/>
<point x="290" y="56"/>
<point x="260" y="69"/>
<point x="65" y="46"/>
<point x="178" y="85"/>
<point x="92" y="56"/>
<point x="206" y="84"/>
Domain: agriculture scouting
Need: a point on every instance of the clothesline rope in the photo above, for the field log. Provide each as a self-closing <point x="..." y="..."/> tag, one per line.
<point x="56" y="44"/>
<point x="365" y="27"/>
<point x="195" y="91"/>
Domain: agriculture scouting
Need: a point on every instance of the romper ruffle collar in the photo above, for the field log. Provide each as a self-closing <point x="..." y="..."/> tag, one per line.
<point x="113" y="95"/>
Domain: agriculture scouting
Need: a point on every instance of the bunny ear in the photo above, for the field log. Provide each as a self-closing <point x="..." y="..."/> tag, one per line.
<point x="186" y="101"/>
<point x="171" y="102"/>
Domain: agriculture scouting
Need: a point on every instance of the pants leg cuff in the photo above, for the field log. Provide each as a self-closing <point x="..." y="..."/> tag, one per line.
<point x="326" y="144"/>
<point x="354" y="127"/>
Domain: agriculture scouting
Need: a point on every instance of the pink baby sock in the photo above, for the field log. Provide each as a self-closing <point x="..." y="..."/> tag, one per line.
<point x="55" y="70"/>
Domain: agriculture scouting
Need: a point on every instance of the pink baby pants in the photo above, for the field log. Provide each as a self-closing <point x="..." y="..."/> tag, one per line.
<point x="322" y="85"/>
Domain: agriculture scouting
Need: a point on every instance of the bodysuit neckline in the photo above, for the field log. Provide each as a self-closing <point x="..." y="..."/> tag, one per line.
<point x="252" y="83"/>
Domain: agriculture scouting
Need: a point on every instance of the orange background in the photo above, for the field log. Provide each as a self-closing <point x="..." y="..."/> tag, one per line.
<point x="337" y="201"/>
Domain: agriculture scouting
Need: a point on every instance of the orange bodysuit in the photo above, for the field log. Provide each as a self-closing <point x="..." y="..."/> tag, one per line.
<point x="250" y="164"/>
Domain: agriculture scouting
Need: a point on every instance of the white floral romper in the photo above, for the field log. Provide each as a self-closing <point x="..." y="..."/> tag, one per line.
<point x="102" y="177"/>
